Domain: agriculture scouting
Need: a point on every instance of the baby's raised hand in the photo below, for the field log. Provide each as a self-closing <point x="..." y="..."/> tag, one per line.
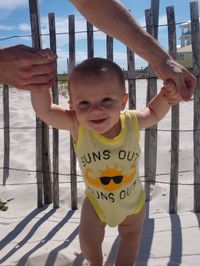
<point x="171" y="93"/>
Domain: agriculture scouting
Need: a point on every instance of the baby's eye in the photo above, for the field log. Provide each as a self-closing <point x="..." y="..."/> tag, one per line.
<point x="107" y="102"/>
<point x="83" y="105"/>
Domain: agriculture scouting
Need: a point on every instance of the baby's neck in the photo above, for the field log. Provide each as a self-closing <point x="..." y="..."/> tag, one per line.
<point x="114" y="131"/>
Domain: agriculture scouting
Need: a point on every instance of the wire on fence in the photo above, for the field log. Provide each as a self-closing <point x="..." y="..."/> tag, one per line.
<point x="148" y="129"/>
<point x="81" y="181"/>
<point x="76" y="32"/>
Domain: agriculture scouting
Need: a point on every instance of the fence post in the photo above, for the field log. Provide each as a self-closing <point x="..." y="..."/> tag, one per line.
<point x="194" y="12"/>
<point x="90" y="40"/>
<point x="36" y="42"/>
<point x="175" y="119"/>
<point x="155" y="11"/>
<point x="6" y="114"/>
<point x="73" y="173"/>
<point x="131" y="76"/>
<point x="131" y="79"/>
<point x="52" y="31"/>
<point x="150" y="133"/>
<point x="42" y="133"/>
<point x="109" y="47"/>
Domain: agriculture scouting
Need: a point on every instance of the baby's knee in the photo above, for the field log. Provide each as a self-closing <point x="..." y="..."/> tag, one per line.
<point x="90" y="242"/>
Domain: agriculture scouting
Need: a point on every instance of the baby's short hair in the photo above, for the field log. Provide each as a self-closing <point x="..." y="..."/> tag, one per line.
<point x="98" y="67"/>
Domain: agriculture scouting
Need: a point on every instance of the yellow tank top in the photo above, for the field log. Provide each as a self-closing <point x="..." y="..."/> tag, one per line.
<point x="110" y="170"/>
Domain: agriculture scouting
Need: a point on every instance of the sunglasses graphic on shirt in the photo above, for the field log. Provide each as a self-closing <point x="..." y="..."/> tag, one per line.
<point x="105" y="180"/>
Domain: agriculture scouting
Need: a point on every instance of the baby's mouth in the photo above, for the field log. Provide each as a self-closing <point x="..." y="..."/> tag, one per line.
<point x="98" y="121"/>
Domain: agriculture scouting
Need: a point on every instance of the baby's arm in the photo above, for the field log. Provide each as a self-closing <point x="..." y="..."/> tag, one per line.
<point x="158" y="107"/>
<point x="50" y="113"/>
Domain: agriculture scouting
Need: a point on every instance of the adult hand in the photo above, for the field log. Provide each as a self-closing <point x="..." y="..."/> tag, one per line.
<point x="25" y="68"/>
<point x="184" y="80"/>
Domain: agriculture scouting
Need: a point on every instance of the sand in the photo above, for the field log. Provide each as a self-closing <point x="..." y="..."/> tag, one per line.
<point x="34" y="236"/>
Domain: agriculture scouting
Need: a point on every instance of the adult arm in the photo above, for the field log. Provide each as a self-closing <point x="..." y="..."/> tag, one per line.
<point x="25" y="68"/>
<point x="114" y="19"/>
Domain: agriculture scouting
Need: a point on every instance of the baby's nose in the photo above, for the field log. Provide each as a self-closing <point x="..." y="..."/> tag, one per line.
<point x="96" y="108"/>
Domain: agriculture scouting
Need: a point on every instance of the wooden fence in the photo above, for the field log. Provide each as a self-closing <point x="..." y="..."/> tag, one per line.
<point x="46" y="193"/>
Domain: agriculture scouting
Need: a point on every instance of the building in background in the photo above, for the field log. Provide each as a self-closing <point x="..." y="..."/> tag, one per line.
<point x="184" y="53"/>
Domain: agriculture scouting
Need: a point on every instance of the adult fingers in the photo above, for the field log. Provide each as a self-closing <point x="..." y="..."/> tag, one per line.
<point x="191" y="84"/>
<point x="36" y="70"/>
<point x="186" y="85"/>
<point x="49" y="54"/>
<point x="39" y="87"/>
<point x="29" y="57"/>
<point x="39" y="79"/>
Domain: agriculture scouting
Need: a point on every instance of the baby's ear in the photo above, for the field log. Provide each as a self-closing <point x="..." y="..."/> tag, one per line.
<point x="124" y="101"/>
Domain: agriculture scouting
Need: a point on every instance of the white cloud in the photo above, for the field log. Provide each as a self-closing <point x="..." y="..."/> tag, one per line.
<point x="8" y="6"/>
<point x="12" y="4"/>
<point x="6" y="28"/>
<point x="25" y="27"/>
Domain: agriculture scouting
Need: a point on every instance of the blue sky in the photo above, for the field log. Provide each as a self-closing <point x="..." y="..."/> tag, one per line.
<point x="14" y="20"/>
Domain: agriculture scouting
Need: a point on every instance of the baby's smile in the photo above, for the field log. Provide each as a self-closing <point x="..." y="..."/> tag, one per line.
<point x="98" y="121"/>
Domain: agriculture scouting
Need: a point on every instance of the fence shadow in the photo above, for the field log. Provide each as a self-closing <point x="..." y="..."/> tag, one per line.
<point x="79" y="260"/>
<point x="49" y="236"/>
<point x="176" y="241"/>
<point x="112" y="255"/>
<point x="198" y="218"/>
<point x="20" y="227"/>
<point x="53" y="254"/>
<point x="147" y="238"/>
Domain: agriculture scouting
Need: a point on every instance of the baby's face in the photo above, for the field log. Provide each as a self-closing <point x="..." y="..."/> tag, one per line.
<point x="97" y="103"/>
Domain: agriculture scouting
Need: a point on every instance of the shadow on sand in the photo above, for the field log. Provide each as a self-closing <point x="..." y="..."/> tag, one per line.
<point x="175" y="257"/>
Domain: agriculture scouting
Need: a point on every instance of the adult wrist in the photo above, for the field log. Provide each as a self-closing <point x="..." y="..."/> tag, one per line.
<point x="157" y="60"/>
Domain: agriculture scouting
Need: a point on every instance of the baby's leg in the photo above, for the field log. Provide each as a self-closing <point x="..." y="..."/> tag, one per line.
<point x="130" y="232"/>
<point x="91" y="234"/>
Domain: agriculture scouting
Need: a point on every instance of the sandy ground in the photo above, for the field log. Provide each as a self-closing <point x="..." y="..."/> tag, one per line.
<point x="34" y="236"/>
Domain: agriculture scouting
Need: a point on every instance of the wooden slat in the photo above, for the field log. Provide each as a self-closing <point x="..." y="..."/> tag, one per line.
<point x="155" y="4"/>
<point x="55" y="96"/>
<point x="194" y="12"/>
<point x="46" y="165"/>
<point x="90" y="40"/>
<point x="131" y="75"/>
<point x="175" y="119"/>
<point x="109" y="47"/>
<point x="131" y="79"/>
<point x="42" y="133"/>
<point x="36" y="42"/>
<point x="6" y="116"/>
<point x="150" y="157"/>
<point x="73" y="173"/>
